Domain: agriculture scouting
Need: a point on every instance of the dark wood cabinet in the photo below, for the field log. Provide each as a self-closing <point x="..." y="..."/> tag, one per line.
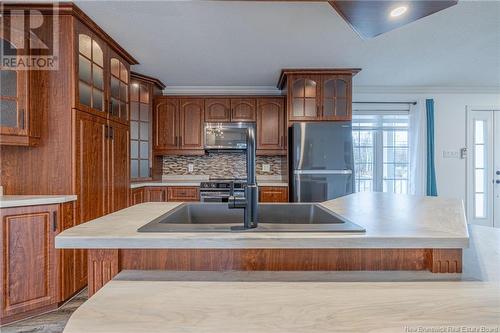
<point x="217" y="110"/>
<point x="118" y="166"/>
<point x="143" y="89"/>
<point x="137" y="196"/>
<point x="166" y="124"/>
<point x="81" y="124"/>
<point x="91" y="141"/>
<point x="183" y="193"/>
<point x="273" y="194"/>
<point x="28" y="262"/>
<point x="271" y="138"/>
<point x="318" y="94"/>
<point x="178" y="126"/>
<point x="19" y="121"/>
<point x="156" y="194"/>
<point x="243" y="109"/>
<point x="191" y="124"/>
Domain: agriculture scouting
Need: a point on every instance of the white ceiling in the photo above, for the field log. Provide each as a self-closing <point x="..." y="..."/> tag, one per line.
<point x="226" y="43"/>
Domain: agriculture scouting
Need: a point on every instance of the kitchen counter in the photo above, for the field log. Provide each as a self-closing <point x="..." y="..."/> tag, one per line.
<point x="187" y="182"/>
<point x="391" y="221"/>
<point x="7" y="201"/>
<point x="294" y="302"/>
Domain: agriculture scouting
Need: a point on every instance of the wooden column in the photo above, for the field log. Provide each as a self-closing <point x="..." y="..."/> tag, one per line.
<point x="445" y="261"/>
<point x="103" y="265"/>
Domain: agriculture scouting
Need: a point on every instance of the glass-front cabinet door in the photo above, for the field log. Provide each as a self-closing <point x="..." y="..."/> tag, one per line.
<point x="90" y="71"/>
<point x="13" y="96"/>
<point x="119" y="85"/>
<point x="140" y="130"/>
<point x="335" y="104"/>
<point x="304" y="98"/>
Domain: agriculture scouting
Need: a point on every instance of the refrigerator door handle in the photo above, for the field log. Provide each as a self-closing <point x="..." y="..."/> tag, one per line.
<point x="322" y="172"/>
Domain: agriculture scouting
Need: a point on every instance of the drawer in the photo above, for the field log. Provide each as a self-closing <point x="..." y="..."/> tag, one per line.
<point x="183" y="193"/>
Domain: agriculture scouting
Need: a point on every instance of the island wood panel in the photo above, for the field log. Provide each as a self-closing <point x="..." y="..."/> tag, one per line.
<point x="105" y="263"/>
<point x="29" y="261"/>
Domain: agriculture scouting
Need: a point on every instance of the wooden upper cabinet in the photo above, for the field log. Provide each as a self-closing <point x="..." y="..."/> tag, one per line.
<point x="243" y="109"/>
<point x="191" y="124"/>
<point x="19" y="124"/>
<point x="217" y="110"/>
<point x="91" y="60"/>
<point x="336" y="97"/>
<point x="304" y="97"/>
<point x="318" y="94"/>
<point x="166" y="123"/>
<point x="118" y="105"/>
<point x="271" y="126"/>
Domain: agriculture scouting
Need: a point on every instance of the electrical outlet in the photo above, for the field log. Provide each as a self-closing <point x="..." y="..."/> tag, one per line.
<point x="451" y="154"/>
<point x="190" y="167"/>
<point x="266" y="167"/>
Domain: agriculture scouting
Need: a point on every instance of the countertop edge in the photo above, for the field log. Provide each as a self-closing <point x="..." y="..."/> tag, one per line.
<point x="36" y="201"/>
<point x="197" y="183"/>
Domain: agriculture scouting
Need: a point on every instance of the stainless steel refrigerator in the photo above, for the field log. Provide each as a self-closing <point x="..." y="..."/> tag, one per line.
<point x="321" y="161"/>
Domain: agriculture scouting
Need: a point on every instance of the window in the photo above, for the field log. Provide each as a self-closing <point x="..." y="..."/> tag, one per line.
<point x="381" y="151"/>
<point x="140" y="128"/>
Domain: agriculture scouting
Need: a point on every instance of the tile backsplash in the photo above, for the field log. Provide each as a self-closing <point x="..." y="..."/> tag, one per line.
<point x="222" y="165"/>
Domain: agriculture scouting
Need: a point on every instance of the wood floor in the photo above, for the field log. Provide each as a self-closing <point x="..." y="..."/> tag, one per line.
<point x="51" y="322"/>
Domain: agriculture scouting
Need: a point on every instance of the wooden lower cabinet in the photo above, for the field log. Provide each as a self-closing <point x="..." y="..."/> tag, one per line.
<point x="35" y="277"/>
<point x="183" y="193"/>
<point x="137" y="196"/>
<point x="155" y="194"/>
<point x="273" y="194"/>
<point x="167" y="193"/>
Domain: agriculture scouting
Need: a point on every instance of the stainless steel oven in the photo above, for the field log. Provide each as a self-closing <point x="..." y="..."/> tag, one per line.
<point x="220" y="190"/>
<point x="226" y="136"/>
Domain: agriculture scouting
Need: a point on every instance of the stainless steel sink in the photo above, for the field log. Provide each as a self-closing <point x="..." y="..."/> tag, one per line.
<point x="286" y="217"/>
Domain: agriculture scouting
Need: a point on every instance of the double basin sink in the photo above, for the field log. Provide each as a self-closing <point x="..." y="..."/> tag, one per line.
<point x="216" y="217"/>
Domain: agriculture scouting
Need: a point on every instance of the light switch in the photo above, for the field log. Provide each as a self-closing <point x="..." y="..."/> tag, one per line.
<point x="190" y="167"/>
<point x="451" y="154"/>
<point x="266" y="167"/>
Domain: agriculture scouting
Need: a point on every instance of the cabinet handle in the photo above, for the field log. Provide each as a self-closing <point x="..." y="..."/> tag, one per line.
<point x="110" y="111"/>
<point x="106" y="131"/>
<point x="282" y="141"/>
<point x="180" y="140"/>
<point x="111" y="133"/>
<point x="54" y="221"/>
<point x="175" y="141"/>
<point x="21" y="121"/>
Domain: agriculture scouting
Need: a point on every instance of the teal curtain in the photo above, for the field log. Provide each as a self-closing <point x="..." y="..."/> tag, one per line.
<point x="431" y="170"/>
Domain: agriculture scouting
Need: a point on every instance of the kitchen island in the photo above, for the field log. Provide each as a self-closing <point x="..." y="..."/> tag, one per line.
<point x="402" y="233"/>
<point x="301" y="302"/>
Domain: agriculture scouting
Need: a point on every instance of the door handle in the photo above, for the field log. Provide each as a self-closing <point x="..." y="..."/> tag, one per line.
<point x="21" y="120"/>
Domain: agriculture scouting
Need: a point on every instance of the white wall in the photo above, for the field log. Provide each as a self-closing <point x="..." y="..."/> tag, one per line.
<point x="450" y="129"/>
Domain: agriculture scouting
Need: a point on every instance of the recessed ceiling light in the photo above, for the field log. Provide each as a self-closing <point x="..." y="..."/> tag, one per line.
<point x="398" y="11"/>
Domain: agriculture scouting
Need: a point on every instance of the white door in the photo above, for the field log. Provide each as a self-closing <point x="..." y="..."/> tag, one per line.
<point x="483" y="167"/>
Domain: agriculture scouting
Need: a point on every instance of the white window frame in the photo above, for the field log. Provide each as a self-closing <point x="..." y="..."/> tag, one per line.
<point x="378" y="144"/>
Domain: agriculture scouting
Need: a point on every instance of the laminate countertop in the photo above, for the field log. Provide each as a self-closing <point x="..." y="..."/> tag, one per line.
<point x="302" y="302"/>
<point x="7" y="201"/>
<point x="391" y="221"/>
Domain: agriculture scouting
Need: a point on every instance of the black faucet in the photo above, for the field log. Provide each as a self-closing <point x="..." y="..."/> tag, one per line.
<point x="250" y="202"/>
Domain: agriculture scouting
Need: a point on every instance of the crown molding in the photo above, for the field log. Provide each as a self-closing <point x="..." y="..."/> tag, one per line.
<point x="222" y="90"/>
<point x="425" y="90"/>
